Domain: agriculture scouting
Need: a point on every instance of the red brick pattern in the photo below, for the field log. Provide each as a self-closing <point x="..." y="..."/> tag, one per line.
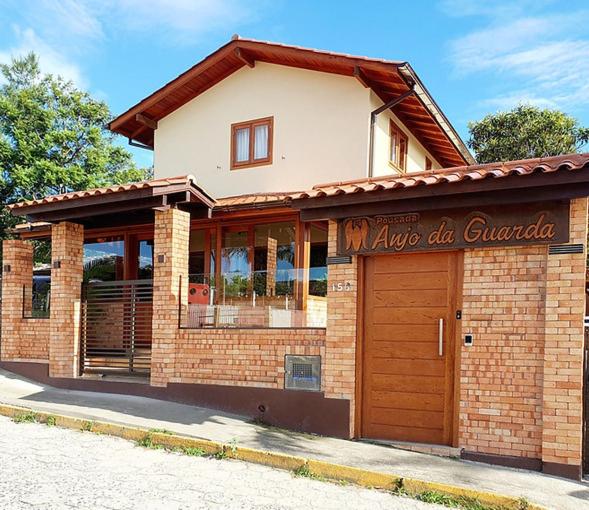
<point x="339" y="367"/>
<point x="22" y="339"/>
<point x="501" y="374"/>
<point x="241" y="357"/>
<point x="171" y="236"/>
<point x="563" y="349"/>
<point x="67" y="250"/>
<point x="521" y="381"/>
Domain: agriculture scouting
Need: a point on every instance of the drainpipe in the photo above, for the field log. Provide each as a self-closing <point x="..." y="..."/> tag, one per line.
<point x="378" y="111"/>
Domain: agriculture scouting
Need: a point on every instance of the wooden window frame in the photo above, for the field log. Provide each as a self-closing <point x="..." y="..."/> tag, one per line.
<point x="251" y="125"/>
<point x="401" y="156"/>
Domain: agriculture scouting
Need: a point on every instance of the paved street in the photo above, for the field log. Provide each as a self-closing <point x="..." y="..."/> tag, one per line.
<point x="50" y="468"/>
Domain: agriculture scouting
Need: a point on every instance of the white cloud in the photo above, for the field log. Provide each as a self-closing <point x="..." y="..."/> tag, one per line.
<point x="50" y="60"/>
<point x="178" y="21"/>
<point x="543" y="60"/>
<point x="68" y="31"/>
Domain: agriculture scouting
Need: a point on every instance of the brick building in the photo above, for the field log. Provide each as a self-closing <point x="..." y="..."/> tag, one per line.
<point x="424" y="300"/>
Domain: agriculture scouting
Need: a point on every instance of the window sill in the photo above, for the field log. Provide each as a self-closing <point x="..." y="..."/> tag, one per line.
<point x="266" y="162"/>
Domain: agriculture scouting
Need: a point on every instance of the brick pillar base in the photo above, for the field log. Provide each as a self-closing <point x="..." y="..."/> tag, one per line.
<point x="67" y="253"/>
<point x="171" y="236"/>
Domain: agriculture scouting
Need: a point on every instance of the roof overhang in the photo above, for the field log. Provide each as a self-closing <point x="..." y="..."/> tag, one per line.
<point x="534" y="180"/>
<point x="118" y="205"/>
<point x="388" y="79"/>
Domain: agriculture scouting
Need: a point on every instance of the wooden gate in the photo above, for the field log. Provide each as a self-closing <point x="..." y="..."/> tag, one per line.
<point x="116" y="327"/>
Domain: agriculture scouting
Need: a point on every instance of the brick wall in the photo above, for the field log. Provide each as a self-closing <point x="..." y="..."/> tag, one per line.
<point x="521" y="381"/>
<point x="339" y="367"/>
<point x="67" y="252"/>
<point x="22" y="339"/>
<point x="501" y="374"/>
<point x="241" y="357"/>
<point x="563" y="349"/>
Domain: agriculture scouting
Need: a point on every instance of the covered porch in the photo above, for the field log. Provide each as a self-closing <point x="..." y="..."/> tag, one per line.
<point x="137" y="268"/>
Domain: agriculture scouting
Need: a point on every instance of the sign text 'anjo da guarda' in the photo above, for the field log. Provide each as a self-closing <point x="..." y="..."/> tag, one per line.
<point x="434" y="230"/>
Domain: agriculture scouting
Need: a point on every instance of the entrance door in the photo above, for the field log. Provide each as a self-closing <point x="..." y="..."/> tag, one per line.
<point x="408" y="350"/>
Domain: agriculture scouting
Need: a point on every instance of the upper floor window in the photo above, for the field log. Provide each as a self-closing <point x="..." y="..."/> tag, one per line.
<point x="398" y="149"/>
<point x="428" y="163"/>
<point x="251" y="143"/>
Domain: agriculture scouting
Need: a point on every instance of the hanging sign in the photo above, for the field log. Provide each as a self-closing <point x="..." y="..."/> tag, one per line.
<point x="506" y="225"/>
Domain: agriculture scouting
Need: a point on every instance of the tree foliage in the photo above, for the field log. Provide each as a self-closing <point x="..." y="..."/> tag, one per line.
<point x="525" y="132"/>
<point x="53" y="138"/>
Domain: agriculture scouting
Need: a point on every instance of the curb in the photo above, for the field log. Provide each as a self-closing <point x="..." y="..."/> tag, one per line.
<point x="318" y="468"/>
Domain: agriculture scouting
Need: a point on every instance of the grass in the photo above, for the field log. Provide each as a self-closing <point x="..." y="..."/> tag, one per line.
<point x="304" y="472"/>
<point x="87" y="426"/>
<point x="28" y="417"/>
<point x="450" y="501"/>
<point x="161" y="431"/>
<point x="50" y="421"/>
<point x="147" y="442"/>
<point x="188" y="450"/>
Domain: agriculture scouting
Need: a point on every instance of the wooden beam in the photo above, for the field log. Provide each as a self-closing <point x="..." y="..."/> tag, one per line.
<point x="146" y="121"/>
<point x="361" y="77"/>
<point x="246" y="59"/>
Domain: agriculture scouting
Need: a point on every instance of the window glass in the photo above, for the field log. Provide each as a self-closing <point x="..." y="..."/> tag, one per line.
<point x="261" y="142"/>
<point x="274" y="256"/>
<point x="145" y="262"/>
<point x="103" y="259"/>
<point x="235" y="265"/>
<point x="242" y="144"/>
<point x="318" y="261"/>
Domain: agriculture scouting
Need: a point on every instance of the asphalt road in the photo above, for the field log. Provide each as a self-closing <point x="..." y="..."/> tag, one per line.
<point x="50" y="468"/>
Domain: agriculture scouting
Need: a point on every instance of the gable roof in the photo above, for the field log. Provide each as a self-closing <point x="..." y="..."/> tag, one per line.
<point x="388" y="79"/>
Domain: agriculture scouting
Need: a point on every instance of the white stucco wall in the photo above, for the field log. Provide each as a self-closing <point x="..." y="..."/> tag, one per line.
<point x="416" y="153"/>
<point x="321" y="125"/>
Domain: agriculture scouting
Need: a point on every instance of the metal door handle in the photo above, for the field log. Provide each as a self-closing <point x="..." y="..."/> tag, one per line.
<point x="441" y="337"/>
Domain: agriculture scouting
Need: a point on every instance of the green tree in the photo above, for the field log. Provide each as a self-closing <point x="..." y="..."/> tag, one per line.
<point x="525" y="132"/>
<point x="53" y="138"/>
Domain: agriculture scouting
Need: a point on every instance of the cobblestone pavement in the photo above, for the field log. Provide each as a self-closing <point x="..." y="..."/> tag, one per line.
<point x="51" y="468"/>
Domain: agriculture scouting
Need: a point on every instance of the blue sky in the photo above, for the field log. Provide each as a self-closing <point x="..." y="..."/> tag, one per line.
<point x="475" y="57"/>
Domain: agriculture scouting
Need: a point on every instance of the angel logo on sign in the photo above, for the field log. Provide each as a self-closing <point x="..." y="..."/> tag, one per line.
<point x="356" y="233"/>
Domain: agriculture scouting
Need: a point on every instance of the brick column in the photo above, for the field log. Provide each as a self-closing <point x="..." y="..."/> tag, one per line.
<point x="171" y="236"/>
<point x="339" y="364"/>
<point x="17" y="271"/>
<point x="562" y="406"/>
<point x="67" y="254"/>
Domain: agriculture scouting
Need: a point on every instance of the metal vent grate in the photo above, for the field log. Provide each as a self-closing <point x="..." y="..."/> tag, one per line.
<point x="302" y="373"/>
<point x="344" y="259"/>
<point x="562" y="249"/>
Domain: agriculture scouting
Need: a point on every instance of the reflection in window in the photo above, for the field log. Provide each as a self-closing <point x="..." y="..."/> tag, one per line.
<point x="103" y="259"/>
<point x="274" y="257"/>
<point x="235" y="266"/>
<point x="145" y="262"/>
<point x="318" y="263"/>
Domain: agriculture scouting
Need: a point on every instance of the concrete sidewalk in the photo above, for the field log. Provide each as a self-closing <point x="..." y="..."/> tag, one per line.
<point x="223" y="427"/>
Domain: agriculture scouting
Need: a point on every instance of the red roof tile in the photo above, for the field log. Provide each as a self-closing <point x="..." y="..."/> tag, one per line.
<point x="525" y="167"/>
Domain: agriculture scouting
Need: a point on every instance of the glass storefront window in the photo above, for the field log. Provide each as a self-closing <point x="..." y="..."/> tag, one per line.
<point x="104" y="259"/>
